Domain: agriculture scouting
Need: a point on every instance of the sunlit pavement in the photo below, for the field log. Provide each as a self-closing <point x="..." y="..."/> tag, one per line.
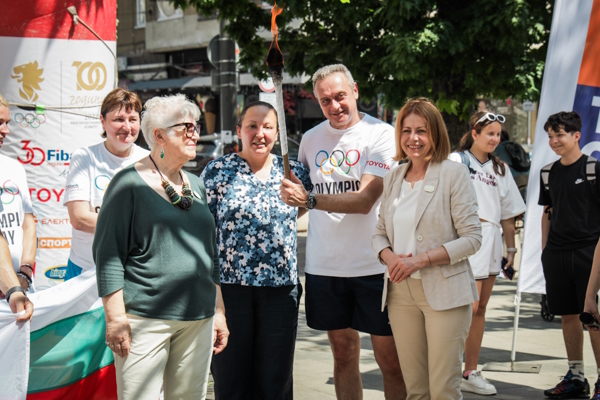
<point x="538" y="342"/>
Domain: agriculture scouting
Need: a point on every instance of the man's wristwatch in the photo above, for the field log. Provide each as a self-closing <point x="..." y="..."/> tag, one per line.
<point x="311" y="202"/>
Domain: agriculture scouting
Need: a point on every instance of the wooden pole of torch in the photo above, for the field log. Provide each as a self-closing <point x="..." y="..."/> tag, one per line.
<point x="278" y="81"/>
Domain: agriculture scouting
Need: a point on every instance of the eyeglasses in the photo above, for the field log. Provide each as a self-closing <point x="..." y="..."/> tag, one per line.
<point x="191" y="129"/>
<point x="491" y="117"/>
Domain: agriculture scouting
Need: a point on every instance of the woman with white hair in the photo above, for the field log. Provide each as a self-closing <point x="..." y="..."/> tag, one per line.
<point x="157" y="263"/>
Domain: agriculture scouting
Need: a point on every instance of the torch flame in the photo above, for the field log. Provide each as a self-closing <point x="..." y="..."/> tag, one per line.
<point x="275" y="56"/>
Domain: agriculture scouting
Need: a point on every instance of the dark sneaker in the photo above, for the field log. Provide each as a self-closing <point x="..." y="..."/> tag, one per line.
<point x="596" y="395"/>
<point x="569" y="388"/>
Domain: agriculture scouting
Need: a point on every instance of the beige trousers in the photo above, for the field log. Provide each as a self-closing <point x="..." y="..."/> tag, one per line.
<point x="430" y="343"/>
<point x="178" y="352"/>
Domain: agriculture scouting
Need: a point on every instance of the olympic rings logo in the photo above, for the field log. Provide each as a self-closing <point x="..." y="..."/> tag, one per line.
<point x="32" y="120"/>
<point x="102" y="182"/>
<point x="338" y="160"/>
<point x="8" y="192"/>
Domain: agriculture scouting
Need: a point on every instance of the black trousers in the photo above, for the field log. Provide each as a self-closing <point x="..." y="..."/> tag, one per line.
<point x="259" y="358"/>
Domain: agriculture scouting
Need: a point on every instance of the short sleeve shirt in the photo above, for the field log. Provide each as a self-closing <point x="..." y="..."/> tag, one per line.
<point x="256" y="230"/>
<point x="90" y="172"/>
<point x="575" y="216"/>
<point x="15" y="202"/>
<point x="340" y="244"/>
<point x="498" y="196"/>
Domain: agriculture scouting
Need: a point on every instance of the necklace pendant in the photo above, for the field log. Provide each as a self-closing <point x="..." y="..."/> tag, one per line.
<point x="184" y="201"/>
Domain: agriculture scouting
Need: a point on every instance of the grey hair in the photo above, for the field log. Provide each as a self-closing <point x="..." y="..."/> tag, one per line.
<point x="161" y="112"/>
<point x="3" y="102"/>
<point x="327" y="70"/>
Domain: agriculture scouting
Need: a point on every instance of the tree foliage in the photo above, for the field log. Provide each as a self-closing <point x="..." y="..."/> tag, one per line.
<point x="449" y="50"/>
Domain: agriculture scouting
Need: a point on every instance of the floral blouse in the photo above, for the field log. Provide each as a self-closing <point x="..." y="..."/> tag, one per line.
<point x="256" y="230"/>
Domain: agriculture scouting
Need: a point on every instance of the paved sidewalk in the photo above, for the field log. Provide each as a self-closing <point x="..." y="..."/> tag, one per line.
<point x="538" y="342"/>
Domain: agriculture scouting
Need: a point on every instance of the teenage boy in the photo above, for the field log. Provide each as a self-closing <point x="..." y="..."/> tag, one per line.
<point x="570" y="231"/>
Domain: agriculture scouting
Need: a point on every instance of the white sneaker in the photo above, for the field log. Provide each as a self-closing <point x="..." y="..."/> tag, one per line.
<point x="476" y="383"/>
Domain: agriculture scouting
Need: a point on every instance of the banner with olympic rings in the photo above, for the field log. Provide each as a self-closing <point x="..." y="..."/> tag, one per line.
<point x="30" y="120"/>
<point x="54" y="74"/>
<point x="571" y="83"/>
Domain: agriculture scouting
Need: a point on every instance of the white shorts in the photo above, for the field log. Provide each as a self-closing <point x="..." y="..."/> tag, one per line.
<point x="488" y="260"/>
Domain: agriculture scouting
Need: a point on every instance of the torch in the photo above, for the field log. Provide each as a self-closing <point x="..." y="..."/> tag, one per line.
<point x="275" y="64"/>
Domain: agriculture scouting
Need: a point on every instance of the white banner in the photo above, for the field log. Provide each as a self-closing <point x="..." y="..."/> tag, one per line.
<point x="571" y="83"/>
<point x="67" y="81"/>
<point x="77" y="296"/>
<point x="14" y="355"/>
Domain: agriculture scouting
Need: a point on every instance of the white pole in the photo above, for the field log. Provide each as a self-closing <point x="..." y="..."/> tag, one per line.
<point x="528" y="127"/>
<point x="513" y="352"/>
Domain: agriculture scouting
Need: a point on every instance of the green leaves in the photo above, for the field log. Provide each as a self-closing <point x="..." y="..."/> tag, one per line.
<point x="448" y="106"/>
<point x="450" y="50"/>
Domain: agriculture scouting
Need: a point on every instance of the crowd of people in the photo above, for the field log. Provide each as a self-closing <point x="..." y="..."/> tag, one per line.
<point x="405" y="241"/>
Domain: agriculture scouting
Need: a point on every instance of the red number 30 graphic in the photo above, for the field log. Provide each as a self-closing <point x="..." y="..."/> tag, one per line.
<point x="31" y="154"/>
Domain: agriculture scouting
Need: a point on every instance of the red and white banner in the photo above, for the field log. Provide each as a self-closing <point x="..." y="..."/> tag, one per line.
<point x="571" y="83"/>
<point x="56" y="73"/>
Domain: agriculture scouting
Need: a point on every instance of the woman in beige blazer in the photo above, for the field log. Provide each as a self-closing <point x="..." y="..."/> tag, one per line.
<point x="428" y="226"/>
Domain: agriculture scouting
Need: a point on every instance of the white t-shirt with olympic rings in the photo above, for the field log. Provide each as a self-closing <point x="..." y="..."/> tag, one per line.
<point x="90" y="172"/>
<point x="340" y="244"/>
<point x="15" y="202"/>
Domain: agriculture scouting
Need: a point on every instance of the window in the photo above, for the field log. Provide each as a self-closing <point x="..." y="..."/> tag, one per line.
<point x="167" y="11"/>
<point x="140" y="13"/>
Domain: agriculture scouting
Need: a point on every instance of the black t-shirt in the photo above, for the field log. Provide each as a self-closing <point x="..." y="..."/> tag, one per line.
<point x="575" y="220"/>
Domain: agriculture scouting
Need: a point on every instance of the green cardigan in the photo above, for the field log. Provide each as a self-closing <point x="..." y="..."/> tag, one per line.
<point x="164" y="258"/>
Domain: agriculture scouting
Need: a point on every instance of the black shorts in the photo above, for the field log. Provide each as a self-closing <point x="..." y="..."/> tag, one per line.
<point x="567" y="273"/>
<point x="338" y="303"/>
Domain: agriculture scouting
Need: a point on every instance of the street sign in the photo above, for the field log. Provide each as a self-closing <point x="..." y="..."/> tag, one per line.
<point x="212" y="51"/>
<point x="528" y="105"/>
<point x="268" y="98"/>
<point x="267" y="85"/>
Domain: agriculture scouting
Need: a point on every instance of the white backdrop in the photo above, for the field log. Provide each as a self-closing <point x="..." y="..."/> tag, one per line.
<point x="65" y="67"/>
<point x="573" y="33"/>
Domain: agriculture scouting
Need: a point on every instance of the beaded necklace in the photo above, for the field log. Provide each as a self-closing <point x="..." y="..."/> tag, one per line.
<point x="185" y="200"/>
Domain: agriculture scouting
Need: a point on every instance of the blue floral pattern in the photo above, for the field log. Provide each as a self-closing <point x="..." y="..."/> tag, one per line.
<point x="256" y="230"/>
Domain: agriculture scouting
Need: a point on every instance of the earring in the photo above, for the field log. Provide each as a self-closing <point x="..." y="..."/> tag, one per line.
<point x="162" y="153"/>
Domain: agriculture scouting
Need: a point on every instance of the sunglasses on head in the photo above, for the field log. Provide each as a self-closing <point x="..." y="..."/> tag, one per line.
<point x="190" y="128"/>
<point x="491" y="117"/>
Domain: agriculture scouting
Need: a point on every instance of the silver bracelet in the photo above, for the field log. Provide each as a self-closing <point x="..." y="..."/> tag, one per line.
<point x="511" y="249"/>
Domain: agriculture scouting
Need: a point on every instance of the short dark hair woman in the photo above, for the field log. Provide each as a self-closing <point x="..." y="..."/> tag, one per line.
<point x="93" y="167"/>
<point x="256" y="237"/>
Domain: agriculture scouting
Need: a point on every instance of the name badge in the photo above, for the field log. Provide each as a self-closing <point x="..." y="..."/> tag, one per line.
<point x="429" y="188"/>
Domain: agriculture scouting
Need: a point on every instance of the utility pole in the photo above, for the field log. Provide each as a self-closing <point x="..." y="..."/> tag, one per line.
<point x="227" y="82"/>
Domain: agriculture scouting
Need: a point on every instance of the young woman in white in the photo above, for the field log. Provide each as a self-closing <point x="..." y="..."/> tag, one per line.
<point x="499" y="203"/>
<point x="93" y="167"/>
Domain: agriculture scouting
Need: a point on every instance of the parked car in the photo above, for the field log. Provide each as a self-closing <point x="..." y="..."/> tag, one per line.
<point x="293" y="149"/>
<point x="208" y="148"/>
<point x="211" y="147"/>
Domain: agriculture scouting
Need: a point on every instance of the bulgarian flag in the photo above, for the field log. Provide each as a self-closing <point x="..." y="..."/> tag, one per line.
<point x="62" y="354"/>
<point x="571" y="83"/>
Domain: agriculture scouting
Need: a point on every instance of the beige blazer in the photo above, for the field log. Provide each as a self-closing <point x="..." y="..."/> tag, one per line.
<point x="446" y="216"/>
